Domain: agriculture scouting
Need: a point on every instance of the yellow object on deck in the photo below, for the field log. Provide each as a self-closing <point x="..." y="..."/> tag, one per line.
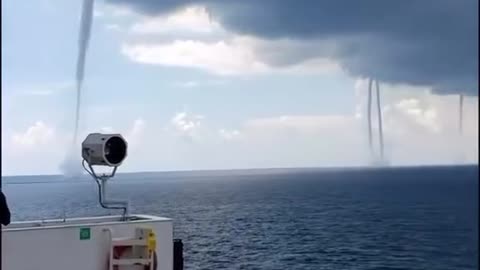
<point x="152" y="241"/>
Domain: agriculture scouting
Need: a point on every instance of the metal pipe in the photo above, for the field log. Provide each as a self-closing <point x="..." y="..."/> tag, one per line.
<point x="102" y="193"/>
<point x="111" y="204"/>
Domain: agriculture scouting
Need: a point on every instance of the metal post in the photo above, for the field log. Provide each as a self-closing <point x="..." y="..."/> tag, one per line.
<point x="177" y="254"/>
<point x="111" y="204"/>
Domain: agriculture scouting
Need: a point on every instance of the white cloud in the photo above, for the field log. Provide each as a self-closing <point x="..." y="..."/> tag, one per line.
<point x="426" y="117"/>
<point x="194" y="84"/>
<point x="186" y="125"/>
<point x="43" y="149"/>
<point x="418" y="108"/>
<point x="413" y="136"/>
<point x="135" y="135"/>
<point x="191" y="38"/>
<point x="219" y="57"/>
<point x="229" y="135"/>
<point x="187" y="84"/>
<point x="224" y="57"/>
<point x="37" y="134"/>
<point x="422" y="128"/>
<point x="419" y="128"/>
<point x="191" y="19"/>
<point x="301" y="140"/>
<point x="38" y="148"/>
<point x="304" y="123"/>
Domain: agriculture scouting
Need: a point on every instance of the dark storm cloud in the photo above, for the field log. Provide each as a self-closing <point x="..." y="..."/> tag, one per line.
<point x="420" y="42"/>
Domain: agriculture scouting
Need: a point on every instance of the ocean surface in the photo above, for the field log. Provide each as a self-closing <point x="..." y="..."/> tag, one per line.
<point x="403" y="218"/>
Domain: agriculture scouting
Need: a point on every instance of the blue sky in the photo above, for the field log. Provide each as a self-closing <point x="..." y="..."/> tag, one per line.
<point x="190" y="93"/>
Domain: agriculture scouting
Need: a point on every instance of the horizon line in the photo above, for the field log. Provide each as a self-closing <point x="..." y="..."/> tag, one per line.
<point x="269" y="168"/>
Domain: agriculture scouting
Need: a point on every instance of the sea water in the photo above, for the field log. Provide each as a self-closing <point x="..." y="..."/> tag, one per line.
<point x="397" y="218"/>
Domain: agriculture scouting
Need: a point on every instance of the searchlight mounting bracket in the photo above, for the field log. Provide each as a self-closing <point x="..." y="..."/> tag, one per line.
<point x="105" y="150"/>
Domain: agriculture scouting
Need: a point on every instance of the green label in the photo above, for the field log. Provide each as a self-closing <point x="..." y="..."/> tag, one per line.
<point x="84" y="233"/>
